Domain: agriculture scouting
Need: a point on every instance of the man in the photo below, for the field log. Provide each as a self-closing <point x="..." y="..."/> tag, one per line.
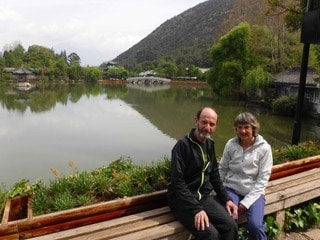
<point x="194" y="174"/>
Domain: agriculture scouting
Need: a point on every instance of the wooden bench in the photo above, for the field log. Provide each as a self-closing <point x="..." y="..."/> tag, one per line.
<point x="159" y="223"/>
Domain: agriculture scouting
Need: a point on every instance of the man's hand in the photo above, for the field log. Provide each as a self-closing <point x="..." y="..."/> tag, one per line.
<point x="232" y="209"/>
<point x="201" y="220"/>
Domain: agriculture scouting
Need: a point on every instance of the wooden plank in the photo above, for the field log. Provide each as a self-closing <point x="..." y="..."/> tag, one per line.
<point x="8" y="227"/>
<point x="184" y="234"/>
<point x="13" y="236"/>
<point x="287" y="182"/>
<point x="292" y="178"/>
<point x="280" y="218"/>
<point x="55" y="227"/>
<point x="135" y="227"/>
<point x="301" y="198"/>
<point x="87" y="229"/>
<point x="274" y="207"/>
<point x="288" y="202"/>
<point x="296" y="163"/>
<point x="158" y="232"/>
<point x="6" y="211"/>
<point x="299" y="189"/>
<point x="151" y="200"/>
<point x="295" y="170"/>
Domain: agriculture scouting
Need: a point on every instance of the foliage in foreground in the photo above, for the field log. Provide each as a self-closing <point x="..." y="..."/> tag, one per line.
<point x="121" y="178"/>
<point x="294" y="152"/>
<point x="303" y="217"/>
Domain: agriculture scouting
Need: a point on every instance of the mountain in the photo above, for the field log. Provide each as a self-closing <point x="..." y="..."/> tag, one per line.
<point x="188" y="37"/>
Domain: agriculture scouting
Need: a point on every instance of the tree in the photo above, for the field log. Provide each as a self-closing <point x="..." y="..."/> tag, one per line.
<point x="39" y="57"/>
<point x="73" y="57"/>
<point x="10" y="60"/>
<point x="59" y="69"/>
<point x="75" y="71"/>
<point x="292" y="11"/>
<point x="93" y="73"/>
<point x="231" y="57"/>
<point x="167" y="69"/>
<point x="256" y="79"/>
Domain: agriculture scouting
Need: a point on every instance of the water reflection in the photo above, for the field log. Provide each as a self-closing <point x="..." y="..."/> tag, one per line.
<point x="148" y="87"/>
<point x="96" y="124"/>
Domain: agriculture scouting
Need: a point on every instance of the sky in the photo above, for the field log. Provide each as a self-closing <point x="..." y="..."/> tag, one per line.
<point x="97" y="30"/>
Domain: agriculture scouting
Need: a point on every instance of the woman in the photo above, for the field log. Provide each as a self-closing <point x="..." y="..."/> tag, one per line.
<point x="245" y="169"/>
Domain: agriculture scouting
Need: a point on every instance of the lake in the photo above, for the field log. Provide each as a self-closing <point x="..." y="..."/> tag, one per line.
<point x="93" y="125"/>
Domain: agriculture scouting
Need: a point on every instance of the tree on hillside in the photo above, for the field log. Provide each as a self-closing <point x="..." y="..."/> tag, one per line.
<point x="242" y="62"/>
<point x="231" y="58"/>
<point x="292" y="11"/>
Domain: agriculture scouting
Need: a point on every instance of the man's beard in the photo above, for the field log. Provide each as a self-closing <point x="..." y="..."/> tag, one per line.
<point x="203" y="134"/>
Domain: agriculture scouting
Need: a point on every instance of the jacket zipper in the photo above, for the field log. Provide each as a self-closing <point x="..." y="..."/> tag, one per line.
<point x="205" y="166"/>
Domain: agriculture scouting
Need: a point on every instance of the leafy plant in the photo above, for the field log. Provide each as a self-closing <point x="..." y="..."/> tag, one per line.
<point x="121" y="178"/>
<point x="243" y="233"/>
<point x="22" y="188"/>
<point x="272" y="228"/>
<point x="303" y="217"/>
<point x="294" y="152"/>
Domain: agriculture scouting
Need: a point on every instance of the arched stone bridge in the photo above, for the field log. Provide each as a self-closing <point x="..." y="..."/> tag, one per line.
<point x="148" y="80"/>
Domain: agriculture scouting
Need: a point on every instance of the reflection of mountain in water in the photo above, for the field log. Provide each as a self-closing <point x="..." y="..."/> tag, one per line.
<point x="148" y="87"/>
<point x="169" y="107"/>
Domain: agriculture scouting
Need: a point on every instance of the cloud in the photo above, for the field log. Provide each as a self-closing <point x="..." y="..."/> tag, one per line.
<point x="107" y="28"/>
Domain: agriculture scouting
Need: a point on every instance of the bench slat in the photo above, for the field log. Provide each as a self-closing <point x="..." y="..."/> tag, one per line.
<point x="288" y="182"/>
<point x="298" y="189"/>
<point x="92" y="228"/>
<point x="158" y="232"/>
<point x="135" y="227"/>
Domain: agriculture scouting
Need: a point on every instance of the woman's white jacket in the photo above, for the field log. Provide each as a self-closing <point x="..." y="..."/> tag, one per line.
<point x="246" y="172"/>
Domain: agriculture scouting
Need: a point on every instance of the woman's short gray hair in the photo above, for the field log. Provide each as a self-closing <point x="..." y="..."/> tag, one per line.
<point x="247" y="118"/>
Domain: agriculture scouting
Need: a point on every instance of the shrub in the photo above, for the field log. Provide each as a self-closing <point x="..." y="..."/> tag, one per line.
<point x="285" y="105"/>
<point x="121" y="178"/>
<point x="294" y="152"/>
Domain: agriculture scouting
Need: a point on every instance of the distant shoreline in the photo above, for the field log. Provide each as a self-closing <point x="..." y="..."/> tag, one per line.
<point x="119" y="81"/>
